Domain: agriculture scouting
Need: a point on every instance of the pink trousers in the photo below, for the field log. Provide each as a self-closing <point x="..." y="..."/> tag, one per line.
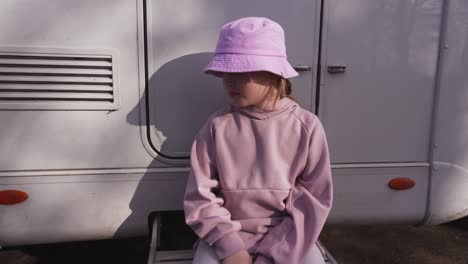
<point x="204" y="254"/>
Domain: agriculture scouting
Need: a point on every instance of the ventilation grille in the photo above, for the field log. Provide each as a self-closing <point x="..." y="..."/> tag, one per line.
<point x="57" y="81"/>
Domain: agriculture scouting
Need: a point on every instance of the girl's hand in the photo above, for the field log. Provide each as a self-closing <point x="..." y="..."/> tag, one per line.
<point x="240" y="257"/>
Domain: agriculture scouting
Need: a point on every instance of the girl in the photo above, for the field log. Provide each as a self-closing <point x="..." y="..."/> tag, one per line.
<point x="260" y="187"/>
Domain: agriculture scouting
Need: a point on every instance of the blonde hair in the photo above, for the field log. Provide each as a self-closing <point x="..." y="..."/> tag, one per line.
<point x="283" y="87"/>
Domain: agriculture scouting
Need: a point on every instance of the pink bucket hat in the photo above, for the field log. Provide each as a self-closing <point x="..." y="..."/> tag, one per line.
<point x="251" y="44"/>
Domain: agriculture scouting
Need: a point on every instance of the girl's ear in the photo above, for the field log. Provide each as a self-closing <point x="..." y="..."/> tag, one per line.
<point x="273" y="90"/>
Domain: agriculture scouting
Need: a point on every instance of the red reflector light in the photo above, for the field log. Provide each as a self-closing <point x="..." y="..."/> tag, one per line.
<point x="9" y="197"/>
<point x="401" y="183"/>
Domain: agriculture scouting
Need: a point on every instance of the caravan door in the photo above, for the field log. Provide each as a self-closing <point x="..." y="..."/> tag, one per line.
<point x="379" y="61"/>
<point x="379" y="109"/>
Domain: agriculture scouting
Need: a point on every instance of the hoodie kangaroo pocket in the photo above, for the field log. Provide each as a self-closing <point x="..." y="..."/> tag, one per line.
<point x="255" y="203"/>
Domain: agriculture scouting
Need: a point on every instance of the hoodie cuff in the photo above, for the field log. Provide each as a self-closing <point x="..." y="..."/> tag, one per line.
<point x="228" y="245"/>
<point x="262" y="260"/>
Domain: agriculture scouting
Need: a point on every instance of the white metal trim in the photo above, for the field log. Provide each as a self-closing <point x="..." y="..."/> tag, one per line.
<point x="92" y="171"/>
<point x="181" y="169"/>
<point x="436" y="101"/>
<point x="380" y="165"/>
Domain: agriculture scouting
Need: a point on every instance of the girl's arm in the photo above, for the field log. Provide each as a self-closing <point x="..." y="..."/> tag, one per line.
<point x="204" y="211"/>
<point x="308" y="206"/>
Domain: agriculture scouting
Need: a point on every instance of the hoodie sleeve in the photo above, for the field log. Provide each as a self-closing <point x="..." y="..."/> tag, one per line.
<point x="308" y="206"/>
<point x="204" y="211"/>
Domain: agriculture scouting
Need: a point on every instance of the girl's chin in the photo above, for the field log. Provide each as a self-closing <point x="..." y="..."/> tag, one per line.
<point x="239" y="101"/>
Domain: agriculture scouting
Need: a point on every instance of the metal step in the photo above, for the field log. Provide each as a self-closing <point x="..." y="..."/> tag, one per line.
<point x="186" y="256"/>
<point x="327" y="256"/>
<point x="173" y="257"/>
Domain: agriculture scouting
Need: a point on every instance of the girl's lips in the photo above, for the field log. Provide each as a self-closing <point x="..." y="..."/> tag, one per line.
<point x="233" y="93"/>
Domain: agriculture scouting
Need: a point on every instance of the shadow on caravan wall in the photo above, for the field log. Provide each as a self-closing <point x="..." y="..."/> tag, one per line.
<point x="183" y="74"/>
<point x="180" y="99"/>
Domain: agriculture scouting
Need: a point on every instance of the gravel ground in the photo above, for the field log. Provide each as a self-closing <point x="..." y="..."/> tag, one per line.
<point x="442" y="244"/>
<point x="380" y="244"/>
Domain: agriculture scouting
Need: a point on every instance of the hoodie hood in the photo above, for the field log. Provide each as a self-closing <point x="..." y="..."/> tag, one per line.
<point x="283" y="105"/>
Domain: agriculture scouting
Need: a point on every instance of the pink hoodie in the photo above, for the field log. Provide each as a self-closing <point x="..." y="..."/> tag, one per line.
<point x="261" y="181"/>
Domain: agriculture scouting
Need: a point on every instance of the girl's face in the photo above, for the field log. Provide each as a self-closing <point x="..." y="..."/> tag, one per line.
<point x="250" y="88"/>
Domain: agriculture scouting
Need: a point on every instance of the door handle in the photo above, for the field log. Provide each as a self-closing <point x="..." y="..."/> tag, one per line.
<point x="333" y="69"/>
<point x="302" y="68"/>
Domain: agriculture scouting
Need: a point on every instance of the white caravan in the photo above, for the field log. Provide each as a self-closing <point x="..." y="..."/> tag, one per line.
<point x="100" y="101"/>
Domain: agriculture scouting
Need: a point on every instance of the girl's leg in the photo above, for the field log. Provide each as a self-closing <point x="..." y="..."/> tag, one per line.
<point x="204" y="254"/>
<point x="314" y="256"/>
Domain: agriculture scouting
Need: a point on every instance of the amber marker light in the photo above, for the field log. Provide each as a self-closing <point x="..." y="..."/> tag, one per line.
<point x="10" y="197"/>
<point x="401" y="183"/>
